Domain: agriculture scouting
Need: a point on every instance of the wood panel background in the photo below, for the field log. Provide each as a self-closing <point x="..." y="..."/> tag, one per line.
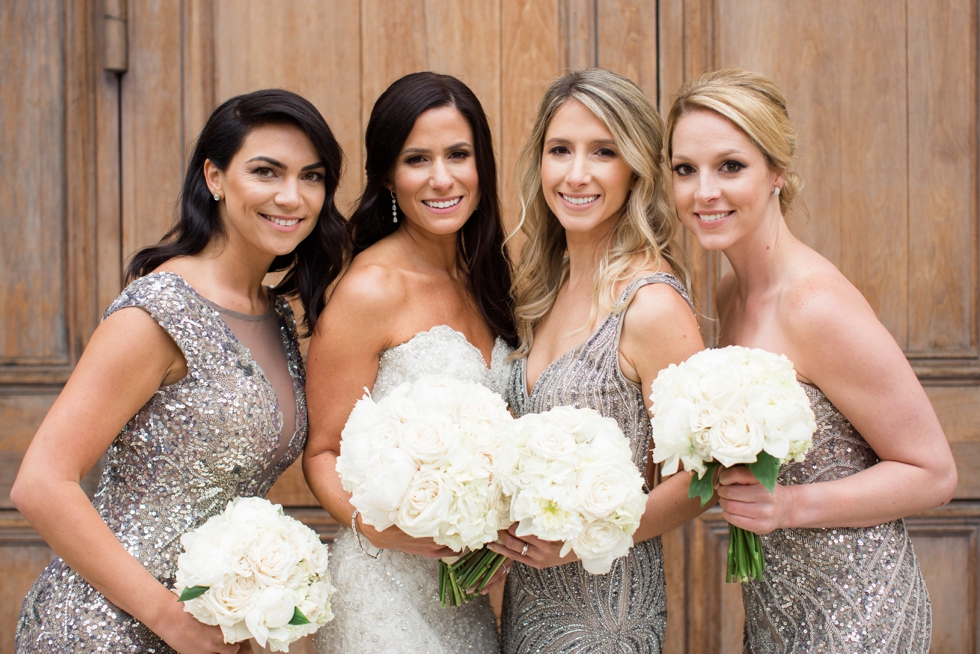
<point x="885" y="96"/>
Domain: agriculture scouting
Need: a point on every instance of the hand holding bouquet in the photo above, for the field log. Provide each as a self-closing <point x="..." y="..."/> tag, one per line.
<point x="257" y="573"/>
<point x="571" y="478"/>
<point x="727" y="407"/>
<point x="422" y="459"/>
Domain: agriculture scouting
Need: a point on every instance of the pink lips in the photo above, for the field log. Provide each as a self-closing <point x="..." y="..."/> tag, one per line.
<point x="282" y="228"/>
<point x="443" y="210"/>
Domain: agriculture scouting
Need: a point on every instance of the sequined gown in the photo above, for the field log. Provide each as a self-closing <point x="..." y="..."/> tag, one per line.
<point x="390" y="605"/>
<point x="565" y="608"/>
<point x="837" y="590"/>
<point x="198" y="443"/>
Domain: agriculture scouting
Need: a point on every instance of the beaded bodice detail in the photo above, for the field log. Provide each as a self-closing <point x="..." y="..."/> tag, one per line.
<point x="837" y="590"/>
<point x="565" y="608"/>
<point x="195" y="445"/>
<point x="391" y="604"/>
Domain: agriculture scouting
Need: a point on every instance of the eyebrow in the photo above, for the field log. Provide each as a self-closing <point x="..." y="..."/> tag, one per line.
<point x="454" y="146"/>
<point x="721" y="155"/>
<point x="279" y="164"/>
<point x="561" y="139"/>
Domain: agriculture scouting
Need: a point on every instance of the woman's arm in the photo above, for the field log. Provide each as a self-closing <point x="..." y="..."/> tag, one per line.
<point x="840" y="346"/>
<point x="353" y="329"/>
<point x="658" y="329"/>
<point x="128" y="358"/>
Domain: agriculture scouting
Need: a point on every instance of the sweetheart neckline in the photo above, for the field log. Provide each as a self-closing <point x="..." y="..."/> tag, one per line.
<point x="456" y="332"/>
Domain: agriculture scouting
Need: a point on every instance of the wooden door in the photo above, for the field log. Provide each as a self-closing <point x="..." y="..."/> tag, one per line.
<point x="100" y="100"/>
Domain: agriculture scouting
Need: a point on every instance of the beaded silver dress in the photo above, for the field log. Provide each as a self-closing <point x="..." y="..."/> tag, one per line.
<point x="198" y="443"/>
<point x="565" y="608"/>
<point x="390" y="605"/>
<point x="837" y="590"/>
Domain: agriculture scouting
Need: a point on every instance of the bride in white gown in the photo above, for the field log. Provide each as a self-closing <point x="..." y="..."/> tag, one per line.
<point x="427" y="293"/>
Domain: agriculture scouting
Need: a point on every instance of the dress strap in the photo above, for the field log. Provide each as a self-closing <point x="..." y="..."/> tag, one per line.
<point x="655" y="278"/>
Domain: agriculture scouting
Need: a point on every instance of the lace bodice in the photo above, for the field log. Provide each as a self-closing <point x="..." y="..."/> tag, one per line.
<point x="442" y="351"/>
<point x="391" y="604"/>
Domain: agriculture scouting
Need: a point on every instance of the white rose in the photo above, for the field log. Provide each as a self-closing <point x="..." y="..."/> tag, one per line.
<point x="230" y="602"/>
<point x="603" y="487"/>
<point x="426" y="504"/>
<point x="600" y="543"/>
<point x="274" y="559"/>
<point x="440" y="394"/>
<point x="551" y="442"/>
<point x="205" y="561"/>
<point x="734" y="440"/>
<point x="428" y="439"/>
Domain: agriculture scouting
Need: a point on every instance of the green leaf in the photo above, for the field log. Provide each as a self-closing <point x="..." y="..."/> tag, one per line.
<point x="298" y="617"/>
<point x="705" y="486"/>
<point x="191" y="592"/>
<point x="766" y="469"/>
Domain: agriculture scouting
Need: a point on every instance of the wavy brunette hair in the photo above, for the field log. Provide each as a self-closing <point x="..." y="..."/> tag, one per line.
<point x="647" y="232"/>
<point x="480" y="244"/>
<point x="319" y="258"/>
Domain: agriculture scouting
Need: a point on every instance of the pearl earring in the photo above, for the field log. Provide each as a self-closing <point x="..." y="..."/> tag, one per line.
<point x="775" y="191"/>
<point x="216" y="197"/>
<point x="394" y="208"/>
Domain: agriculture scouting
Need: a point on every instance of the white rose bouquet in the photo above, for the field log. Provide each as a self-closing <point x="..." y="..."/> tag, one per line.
<point x="571" y="477"/>
<point x="727" y="407"/>
<point x="422" y="459"/>
<point x="256" y="573"/>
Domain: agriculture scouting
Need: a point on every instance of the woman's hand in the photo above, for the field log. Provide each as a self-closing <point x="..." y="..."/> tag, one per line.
<point x="183" y="632"/>
<point x="748" y="504"/>
<point x="530" y="550"/>
<point x="394" y="538"/>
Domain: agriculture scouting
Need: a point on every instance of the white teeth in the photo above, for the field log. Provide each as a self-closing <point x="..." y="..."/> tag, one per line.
<point x="442" y="205"/>
<point x="284" y="223"/>
<point x="712" y="217"/>
<point x="585" y="200"/>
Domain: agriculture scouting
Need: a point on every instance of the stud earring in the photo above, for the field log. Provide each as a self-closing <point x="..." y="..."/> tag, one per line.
<point x="775" y="191"/>
<point x="217" y="197"/>
<point x="394" y="208"/>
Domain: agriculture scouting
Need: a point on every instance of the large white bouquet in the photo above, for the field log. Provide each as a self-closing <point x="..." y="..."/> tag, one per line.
<point x="422" y="459"/>
<point x="257" y="573"/>
<point x="725" y="407"/>
<point x="571" y="477"/>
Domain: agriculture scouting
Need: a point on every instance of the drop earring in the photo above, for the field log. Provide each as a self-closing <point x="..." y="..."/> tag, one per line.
<point x="394" y="208"/>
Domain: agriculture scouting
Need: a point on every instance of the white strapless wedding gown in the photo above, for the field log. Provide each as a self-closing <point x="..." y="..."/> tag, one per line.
<point x="390" y="605"/>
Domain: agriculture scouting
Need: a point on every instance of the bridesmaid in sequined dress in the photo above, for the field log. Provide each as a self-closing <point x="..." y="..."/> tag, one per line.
<point x="840" y="574"/>
<point x="193" y="381"/>
<point x="600" y="311"/>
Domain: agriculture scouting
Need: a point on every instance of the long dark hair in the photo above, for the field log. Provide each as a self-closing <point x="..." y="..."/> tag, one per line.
<point x="481" y="240"/>
<point x="319" y="258"/>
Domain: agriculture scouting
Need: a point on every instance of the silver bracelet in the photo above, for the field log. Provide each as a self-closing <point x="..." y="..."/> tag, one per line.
<point x="357" y="536"/>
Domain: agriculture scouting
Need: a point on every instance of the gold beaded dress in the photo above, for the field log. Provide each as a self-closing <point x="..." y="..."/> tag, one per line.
<point x="566" y="609"/>
<point x="214" y="435"/>
<point x="842" y="590"/>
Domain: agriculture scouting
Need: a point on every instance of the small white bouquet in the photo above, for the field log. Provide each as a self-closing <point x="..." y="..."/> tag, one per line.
<point x="726" y="407"/>
<point x="422" y="459"/>
<point x="571" y="478"/>
<point x="256" y="573"/>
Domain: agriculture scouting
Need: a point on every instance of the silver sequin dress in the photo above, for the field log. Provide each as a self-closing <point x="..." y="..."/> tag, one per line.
<point x="566" y="609"/>
<point x="390" y="605"/>
<point x="841" y="590"/>
<point x="194" y="446"/>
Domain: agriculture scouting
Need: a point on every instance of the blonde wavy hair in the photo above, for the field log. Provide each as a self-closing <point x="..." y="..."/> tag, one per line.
<point x="647" y="232"/>
<point x="754" y="104"/>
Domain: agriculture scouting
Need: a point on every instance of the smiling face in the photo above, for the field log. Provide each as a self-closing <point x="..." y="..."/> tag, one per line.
<point x="435" y="179"/>
<point x="271" y="193"/>
<point x="723" y="187"/>
<point x="584" y="178"/>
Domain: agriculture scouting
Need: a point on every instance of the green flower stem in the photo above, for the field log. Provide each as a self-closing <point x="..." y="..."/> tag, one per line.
<point x="745" y="557"/>
<point x="462" y="581"/>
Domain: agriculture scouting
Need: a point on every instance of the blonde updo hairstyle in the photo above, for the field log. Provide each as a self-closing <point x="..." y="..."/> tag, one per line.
<point x="753" y="104"/>
<point x="647" y="231"/>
